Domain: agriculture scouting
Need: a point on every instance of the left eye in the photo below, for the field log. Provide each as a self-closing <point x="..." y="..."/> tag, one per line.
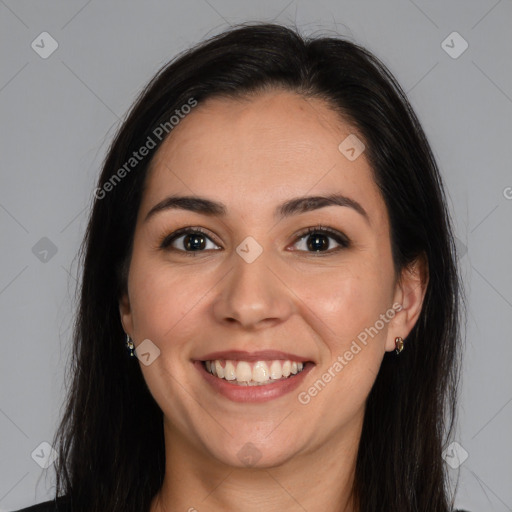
<point x="319" y="240"/>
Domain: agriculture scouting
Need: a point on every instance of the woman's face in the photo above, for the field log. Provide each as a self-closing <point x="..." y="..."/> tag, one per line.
<point x="254" y="289"/>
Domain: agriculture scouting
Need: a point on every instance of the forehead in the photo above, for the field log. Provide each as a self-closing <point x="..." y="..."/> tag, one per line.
<point x="258" y="151"/>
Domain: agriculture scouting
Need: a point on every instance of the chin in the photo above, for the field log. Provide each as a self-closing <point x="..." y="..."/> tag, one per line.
<point x="252" y="454"/>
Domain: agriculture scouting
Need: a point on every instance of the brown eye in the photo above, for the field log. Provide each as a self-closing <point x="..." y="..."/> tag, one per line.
<point x="321" y="240"/>
<point x="188" y="240"/>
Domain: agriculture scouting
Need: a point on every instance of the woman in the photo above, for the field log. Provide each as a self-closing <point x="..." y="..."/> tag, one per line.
<point x="270" y="238"/>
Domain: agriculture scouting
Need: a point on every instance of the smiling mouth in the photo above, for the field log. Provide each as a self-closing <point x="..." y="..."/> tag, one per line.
<point x="257" y="373"/>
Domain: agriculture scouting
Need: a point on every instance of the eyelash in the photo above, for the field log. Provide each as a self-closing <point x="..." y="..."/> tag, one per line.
<point x="343" y="241"/>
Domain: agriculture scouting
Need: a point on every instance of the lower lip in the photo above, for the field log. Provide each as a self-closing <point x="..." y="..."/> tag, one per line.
<point x="262" y="393"/>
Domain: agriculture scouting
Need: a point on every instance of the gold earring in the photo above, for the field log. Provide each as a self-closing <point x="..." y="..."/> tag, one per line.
<point x="399" y="344"/>
<point x="129" y="345"/>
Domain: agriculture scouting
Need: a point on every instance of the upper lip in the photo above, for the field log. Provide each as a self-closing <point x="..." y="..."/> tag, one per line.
<point x="262" y="355"/>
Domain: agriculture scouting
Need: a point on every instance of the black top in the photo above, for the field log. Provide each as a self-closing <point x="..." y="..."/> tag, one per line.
<point x="59" y="505"/>
<point x="62" y="506"/>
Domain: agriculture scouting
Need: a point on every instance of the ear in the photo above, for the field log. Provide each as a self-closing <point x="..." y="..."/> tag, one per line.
<point x="409" y="292"/>
<point x="125" y="311"/>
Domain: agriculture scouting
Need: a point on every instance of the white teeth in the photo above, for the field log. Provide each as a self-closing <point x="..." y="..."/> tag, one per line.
<point x="275" y="370"/>
<point x="253" y="374"/>
<point x="219" y="370"/>
<point x="243" y="372"/>
<point x="260" y="372"/>
<point x="229" y="371"/>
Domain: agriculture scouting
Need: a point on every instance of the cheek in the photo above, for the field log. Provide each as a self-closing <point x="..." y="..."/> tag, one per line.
<point x="350" y="299"/>
<point x="349" y="306"/>
<point x="160" y="298"/>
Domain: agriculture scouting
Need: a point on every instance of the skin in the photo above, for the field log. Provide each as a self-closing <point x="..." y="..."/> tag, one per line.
<point x="252" y="155"/>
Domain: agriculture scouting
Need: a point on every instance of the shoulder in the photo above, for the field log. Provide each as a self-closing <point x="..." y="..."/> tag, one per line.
<point x="61" y="504"/>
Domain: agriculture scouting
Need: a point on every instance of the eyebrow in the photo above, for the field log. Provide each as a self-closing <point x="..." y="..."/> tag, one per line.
<point x="291" y="207"/>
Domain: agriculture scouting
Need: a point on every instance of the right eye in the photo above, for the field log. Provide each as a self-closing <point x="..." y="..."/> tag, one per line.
<point x="188" y="240"/>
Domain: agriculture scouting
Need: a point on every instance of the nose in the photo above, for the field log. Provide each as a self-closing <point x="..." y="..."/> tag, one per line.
<point x="253" y="295"/>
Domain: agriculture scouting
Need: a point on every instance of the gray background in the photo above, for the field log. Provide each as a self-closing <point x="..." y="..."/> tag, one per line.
<point x="58" y="116"/>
